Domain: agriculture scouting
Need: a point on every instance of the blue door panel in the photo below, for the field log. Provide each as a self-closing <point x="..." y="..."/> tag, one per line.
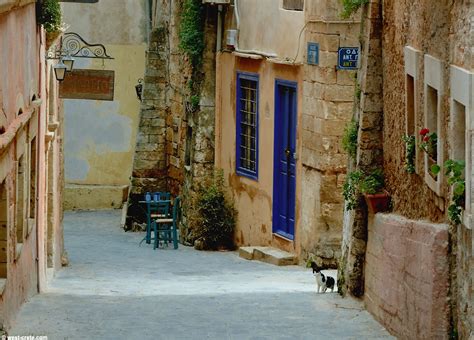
<point x="284" y="182"/>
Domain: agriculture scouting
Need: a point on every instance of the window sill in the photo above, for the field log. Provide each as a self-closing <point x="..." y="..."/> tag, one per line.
<point x="242" y="173"/>
<point x="31" y="224"/>
<point x="3" y="283"/>
<point x="19" y="247"/>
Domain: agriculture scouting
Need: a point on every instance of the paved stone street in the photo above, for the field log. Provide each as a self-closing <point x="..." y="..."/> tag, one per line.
<point x="114" y="289"/>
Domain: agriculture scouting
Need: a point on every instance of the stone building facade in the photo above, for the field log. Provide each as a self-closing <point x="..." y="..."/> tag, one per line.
<point x="175" y="139"/>
<point x="413" y="266"/>
<point x="31" y="239"/>
<point x="323" y="99"/>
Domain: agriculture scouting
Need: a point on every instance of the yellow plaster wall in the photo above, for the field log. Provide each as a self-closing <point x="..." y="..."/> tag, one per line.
<point x="100" y="135"/>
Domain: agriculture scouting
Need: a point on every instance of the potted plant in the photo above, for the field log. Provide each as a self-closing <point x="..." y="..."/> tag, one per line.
<point x="49" y="15"/>
<point x="372" y="186"/>
<point x="429" y="144"/>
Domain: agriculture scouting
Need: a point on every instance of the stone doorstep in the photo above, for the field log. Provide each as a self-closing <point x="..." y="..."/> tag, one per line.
<point x="268" y="255"/>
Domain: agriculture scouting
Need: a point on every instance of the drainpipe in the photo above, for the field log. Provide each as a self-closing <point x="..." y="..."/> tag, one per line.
<point x="219" y="29"/>
<point x="237" y="49"/>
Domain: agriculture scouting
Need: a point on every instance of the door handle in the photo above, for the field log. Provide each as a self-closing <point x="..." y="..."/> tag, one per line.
<point x="287" y="153"/>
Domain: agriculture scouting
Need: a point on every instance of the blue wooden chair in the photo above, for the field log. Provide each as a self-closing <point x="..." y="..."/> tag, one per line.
<point x="166" y="228"/>
<point x="157" y="206"/>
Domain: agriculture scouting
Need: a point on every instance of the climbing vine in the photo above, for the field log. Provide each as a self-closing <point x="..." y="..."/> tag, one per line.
<point x="349" y="139"/>
<point x="351" y="6"/>
<point x="191" y="32"/>
<point x="191" y="42"/>
<point x="410" y="153"/>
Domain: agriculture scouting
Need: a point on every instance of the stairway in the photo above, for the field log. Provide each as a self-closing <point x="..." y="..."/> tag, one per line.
<point x="268" y="255"/>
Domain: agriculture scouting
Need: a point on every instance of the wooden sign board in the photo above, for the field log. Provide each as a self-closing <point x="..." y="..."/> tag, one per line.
<point x="81" y="1"/>
<point x="88" y="84"/>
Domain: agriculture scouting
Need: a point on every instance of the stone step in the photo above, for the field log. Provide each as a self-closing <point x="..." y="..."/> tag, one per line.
<point x="269" y="255"/>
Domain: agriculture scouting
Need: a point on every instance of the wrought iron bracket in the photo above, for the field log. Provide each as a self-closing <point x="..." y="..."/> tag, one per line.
<point x="74" y="45"/>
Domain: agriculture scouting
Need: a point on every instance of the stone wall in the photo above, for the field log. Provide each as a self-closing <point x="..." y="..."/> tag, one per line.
<point x="174" y="147"/>
<point x="368" y="113"/>
<point x="406" y="286"/>
<point x="416" y="39"/>
<point x="327" y="107"/>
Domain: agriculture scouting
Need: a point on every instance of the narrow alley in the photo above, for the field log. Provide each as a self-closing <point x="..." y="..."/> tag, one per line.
<point x="114" y="289"/>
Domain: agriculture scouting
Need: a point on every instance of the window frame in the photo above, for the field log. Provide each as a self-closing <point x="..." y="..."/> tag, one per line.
<point x="433" y="78"/>
<point x="238" y="166"/>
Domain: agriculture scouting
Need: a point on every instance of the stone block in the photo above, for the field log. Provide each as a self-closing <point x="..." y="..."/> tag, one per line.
<point x="94" y="197"/>
<point x="398" y="248"/>
<point x="371" y="102"/>
<point x="370" y="140"/>
<point x="308" y="122"/>
<point x="332" y="127"/>
<point x="158" y="122"/>
<point x="327" y="42"/>
<point x="327" y="59"/>
<point x="325" y="75"/>
<point x="339" y="93"/>
<point x="157" y="138"/>
<point x="371" y="121"/>
<point x="346" y="77"/>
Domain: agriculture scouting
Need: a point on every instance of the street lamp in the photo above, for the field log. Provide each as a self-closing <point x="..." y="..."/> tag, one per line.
<point x="139" y="89"/>
<point x="69" y="62"/>
<point x="60" y="70"/>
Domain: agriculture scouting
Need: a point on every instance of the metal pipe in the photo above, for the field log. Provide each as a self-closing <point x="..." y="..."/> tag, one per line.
<point x="219" y="28"/>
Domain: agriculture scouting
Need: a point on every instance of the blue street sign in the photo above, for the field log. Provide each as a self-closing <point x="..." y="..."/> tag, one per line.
<point x="313" y="53"/>
<point x="347" y="58"/>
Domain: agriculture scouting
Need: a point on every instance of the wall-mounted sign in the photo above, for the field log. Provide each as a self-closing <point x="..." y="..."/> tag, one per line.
<point x="88" y="84"/>
<point x="348" y="58"/>
<point x="313" y="53"/>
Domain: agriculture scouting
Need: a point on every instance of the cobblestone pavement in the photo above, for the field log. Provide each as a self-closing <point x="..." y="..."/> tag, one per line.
<point x="114" y="289"/>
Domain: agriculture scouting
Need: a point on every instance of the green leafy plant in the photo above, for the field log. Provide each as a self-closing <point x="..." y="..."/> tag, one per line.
<point x="351" y="189"/>
<point x="213" y="215"/>
<point x="191" y="31"/>
<point x="349" y="140"/>
<point x="357" y="183"/>
<point x="195" y="99"/>
<point x="454" y="172"/>
<point x="372" y="183"/>
<point x="410" y="153"/>
<point x="351" y="6"/>
<point x="50" y="15"/>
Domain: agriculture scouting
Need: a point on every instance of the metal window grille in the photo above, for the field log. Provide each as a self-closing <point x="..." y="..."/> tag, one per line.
<point x="248" y="124"/>
<point x="293" y="5"/>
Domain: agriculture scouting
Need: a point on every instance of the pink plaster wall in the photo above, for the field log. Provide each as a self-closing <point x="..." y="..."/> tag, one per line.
<point x="22" y="76"/>
<point x="406" y="281"/>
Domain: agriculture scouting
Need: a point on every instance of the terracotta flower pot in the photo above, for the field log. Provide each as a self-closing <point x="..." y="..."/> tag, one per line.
<point x="378" y="202"/>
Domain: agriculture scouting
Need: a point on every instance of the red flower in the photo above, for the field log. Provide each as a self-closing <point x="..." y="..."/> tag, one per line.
<point x="424" y="131"/>
<point x="426" y="138"/>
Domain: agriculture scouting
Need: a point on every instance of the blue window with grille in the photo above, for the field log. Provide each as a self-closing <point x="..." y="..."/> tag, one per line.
<point x="247" y="125"/>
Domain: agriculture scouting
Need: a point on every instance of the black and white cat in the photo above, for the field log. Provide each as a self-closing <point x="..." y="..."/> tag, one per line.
<point x="323" y="282"/>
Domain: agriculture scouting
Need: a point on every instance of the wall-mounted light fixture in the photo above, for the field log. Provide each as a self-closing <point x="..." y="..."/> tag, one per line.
<point x="68" y="61"/>
<point x="72" y="45"/>
<point x="60" y="70"/>
<point x="139" y="89"/>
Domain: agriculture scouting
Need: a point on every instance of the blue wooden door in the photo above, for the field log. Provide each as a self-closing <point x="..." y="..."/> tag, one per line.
<point x="284" y="171"/>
